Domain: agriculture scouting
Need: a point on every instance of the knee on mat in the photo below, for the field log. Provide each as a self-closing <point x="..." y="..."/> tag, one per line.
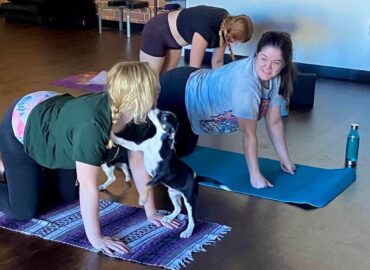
<point x="184" y="149"/>
<point x="70" y="197"/>
<point x="24" y="214"/>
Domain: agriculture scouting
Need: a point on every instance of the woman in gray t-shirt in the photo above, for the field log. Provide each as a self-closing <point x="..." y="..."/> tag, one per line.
<point x="234" y="97"/>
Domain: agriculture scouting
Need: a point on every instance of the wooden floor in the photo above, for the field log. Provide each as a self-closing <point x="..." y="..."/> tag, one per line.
<point x="265" y="234"/>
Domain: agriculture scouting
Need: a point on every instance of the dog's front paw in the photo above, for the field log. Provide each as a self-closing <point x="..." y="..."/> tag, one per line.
<point x="103" y="187"/>
<point x="189" y="229"/>
<point x="128" y="178"/>
<point x="187" y="233"/>
<point x="168" y="219"/>
<point x="107" y="183"/>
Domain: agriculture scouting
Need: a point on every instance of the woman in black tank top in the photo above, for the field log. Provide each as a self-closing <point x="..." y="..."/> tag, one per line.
<point x="201" y="26"/>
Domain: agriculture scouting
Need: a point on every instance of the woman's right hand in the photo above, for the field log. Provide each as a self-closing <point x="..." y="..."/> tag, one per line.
<point x="87" y="176"/>
<point x="260" y="182"/>
<point x="109" y="245"/>
<point x="249" y="128"/>
<point x="157" y="220"/>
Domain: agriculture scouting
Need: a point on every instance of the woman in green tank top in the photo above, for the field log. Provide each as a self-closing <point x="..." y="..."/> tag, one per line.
<point x="65" y="139"/>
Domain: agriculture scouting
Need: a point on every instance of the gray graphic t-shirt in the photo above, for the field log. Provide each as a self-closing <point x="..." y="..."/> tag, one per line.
<point x="215" y="99"/>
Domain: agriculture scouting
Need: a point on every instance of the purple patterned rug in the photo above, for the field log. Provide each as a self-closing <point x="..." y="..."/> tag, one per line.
<point x="81" y="82"/>
<point x="149" y="244"/>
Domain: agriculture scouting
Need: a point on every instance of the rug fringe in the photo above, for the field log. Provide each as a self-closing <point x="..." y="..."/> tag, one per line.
<point x="187" y="257"/>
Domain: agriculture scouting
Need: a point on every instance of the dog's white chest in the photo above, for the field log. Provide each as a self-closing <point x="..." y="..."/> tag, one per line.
<point x="152" y="155"/>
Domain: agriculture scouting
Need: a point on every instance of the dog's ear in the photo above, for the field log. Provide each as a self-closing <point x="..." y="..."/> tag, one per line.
<point x="172" y="138"/>
<point x="172" y="133"/>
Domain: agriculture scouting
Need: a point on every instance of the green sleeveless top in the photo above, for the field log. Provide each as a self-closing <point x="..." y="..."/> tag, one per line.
<point x="64" y="129"/>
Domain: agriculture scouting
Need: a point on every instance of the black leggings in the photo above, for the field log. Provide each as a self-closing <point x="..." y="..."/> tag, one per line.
<point x="172" y="98"/>
<point x="156" y="37"/>
<point x="30" y="188"/>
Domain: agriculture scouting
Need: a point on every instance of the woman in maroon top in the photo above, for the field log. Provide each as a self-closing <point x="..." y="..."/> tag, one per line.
<point x="201" y="26"/>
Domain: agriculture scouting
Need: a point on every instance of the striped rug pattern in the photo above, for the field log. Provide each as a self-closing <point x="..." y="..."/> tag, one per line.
<point x="149" y="244"/>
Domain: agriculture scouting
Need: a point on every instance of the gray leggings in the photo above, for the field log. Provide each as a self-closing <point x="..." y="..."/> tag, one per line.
<point x="30" y="188"/>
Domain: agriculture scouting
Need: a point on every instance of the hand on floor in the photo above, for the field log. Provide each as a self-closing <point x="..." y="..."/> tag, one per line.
<point x="157" y="219"/>
<point x="287" y="166"/>
<point x="110" y="245"/>
<point x="260" y="182"/>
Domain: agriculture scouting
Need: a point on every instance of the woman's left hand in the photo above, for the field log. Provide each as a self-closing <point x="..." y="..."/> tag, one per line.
<point x="157" y="219"/>
<point x="288" y="166"/>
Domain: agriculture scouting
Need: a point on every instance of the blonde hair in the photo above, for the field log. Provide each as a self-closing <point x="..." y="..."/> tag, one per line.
<point x="132" y="89"/>
<point x="239" y="27"/>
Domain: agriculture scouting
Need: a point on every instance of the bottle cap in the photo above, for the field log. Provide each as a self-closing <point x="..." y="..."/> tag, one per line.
<point x="350" y="163"/>
<point x="354" y="126"/>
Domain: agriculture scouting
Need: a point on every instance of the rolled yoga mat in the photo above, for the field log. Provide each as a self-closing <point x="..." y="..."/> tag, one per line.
<point x="309" y="185"/>
<point x="93" y="82"/>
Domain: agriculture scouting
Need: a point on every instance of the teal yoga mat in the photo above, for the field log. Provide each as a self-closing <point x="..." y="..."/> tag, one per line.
<point x="309" y="185"/>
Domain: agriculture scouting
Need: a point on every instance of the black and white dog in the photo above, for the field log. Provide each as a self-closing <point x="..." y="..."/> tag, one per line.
<point x="116" y="158"/>
<point x="162" y="163"/>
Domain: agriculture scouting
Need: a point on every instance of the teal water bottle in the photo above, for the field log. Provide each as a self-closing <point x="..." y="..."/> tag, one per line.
<point x="353" y="143"/>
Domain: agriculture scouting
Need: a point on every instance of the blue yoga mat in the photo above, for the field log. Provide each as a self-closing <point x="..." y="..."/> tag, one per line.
<point x="309" y="185"/>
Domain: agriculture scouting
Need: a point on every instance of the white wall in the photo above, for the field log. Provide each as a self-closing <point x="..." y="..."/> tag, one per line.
<point x="331" y="33"/>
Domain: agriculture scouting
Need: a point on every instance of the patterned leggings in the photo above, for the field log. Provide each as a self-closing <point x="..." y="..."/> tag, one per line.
<point x="30" y="188"/>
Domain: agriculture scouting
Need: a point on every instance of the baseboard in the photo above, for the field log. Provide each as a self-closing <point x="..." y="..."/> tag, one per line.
<point x="335" y="73"/>
<point x="321" y="71"/>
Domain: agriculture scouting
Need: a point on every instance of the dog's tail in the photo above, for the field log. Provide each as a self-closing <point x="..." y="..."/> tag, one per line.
<point x="204" y="179"/>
